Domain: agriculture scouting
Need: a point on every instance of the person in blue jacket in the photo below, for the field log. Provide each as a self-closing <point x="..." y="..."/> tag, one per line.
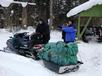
<point x="63" y="32"/>
<point x="70" y="32"/>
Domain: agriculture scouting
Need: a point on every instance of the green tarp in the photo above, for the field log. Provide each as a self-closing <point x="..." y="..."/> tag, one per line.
<point x="60" y="53"/>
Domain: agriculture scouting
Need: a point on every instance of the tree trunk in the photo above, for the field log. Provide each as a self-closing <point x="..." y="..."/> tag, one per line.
<point x="51" y="12"/>
<point x="24" y="17"/>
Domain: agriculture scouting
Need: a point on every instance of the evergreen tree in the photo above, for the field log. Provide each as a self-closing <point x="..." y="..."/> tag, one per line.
<point x="42" y="10"/>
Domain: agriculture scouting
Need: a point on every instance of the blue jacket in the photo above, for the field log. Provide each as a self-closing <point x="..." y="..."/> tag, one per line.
<point x="70" y="34"/>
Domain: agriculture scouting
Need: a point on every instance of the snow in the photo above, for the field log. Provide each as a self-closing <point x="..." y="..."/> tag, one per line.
<point x="16" y="65"/>
<point x="6" y="3"/>
<point x="24" y="4"/>
<point x="85" y="6"/>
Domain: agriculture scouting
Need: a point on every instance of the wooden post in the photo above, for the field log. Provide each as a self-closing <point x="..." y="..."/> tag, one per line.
<point x="78" y="28"/>
<point x="85" y="27"/>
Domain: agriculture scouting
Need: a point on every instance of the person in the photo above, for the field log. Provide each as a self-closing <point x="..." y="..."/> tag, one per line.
<point x="41" y="34"/>
<point x="71" y="24"/>
<point x="69" y="32"/>
<point x="63" y="32"/>
<point x="86" y="37"/>
<point x="43" y="29"/>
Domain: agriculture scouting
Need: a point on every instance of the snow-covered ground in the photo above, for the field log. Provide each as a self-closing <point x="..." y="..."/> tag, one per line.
<point x="16" y="65"/>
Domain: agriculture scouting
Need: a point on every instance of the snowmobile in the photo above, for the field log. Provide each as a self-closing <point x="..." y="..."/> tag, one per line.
<point x="24" y="44"/>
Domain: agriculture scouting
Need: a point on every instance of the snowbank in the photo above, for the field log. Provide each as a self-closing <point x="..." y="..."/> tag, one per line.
<point x="14" y="65"/>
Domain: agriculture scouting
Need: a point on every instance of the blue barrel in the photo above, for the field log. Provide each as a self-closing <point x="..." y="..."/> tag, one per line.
<point x="70" y="34"/>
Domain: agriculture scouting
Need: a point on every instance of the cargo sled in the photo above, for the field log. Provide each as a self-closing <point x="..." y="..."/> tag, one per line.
<point x="60" y="69"/>
<point x="60" y="57"/>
